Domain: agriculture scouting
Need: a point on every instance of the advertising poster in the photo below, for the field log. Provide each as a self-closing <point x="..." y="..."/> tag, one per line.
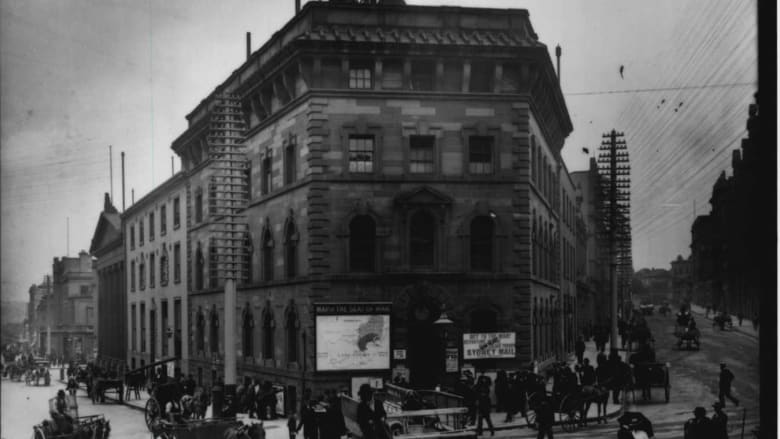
<point x="451" y="360"/>
<point x="488" y="345"/>
<point x="352" y="336"/>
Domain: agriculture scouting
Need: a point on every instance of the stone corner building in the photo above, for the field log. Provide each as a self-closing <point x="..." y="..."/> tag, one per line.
<point x="402" y="154"/>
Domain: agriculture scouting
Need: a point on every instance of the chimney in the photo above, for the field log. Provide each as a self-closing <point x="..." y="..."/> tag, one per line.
<point x="297" y="6"/>
<point x="248" y="44"/>
<point x="558" y="57"/>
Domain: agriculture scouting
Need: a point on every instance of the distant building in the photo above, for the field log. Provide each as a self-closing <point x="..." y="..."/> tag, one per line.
<point x="405" y="155"/>
<point x="155" y="231"/>
<point x="70" y="310"/>
<point x="35" y="320"/>
<point x="656" y="285"/>
<point x="108" y="249"/>
<point x="593" y="256"/>
<point x="682" y="280"/>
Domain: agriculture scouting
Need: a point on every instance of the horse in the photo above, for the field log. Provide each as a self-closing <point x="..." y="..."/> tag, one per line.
<point x="196" y="404"/>
<point x="246" y="431"/>
<point x="598" y="394"/>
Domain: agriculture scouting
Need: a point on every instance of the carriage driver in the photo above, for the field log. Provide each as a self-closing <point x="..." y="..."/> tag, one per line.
<point x="61" y="413"/>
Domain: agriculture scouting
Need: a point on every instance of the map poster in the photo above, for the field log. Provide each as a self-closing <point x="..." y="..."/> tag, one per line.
<point x="451" y="361"/>
<point x="352" y="336"/>
<point x="488" y="345"/>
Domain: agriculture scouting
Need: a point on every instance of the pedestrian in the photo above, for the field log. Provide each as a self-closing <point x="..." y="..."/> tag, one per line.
<point x="292" y="425"/>
<point x="502" y="390"/>
<point x="587" y="374"/>
<point x="512" y="398"/>
<point x="308" y="417"/>
<point x="700" y="427"/>
<point x="545" y="418"/>
<point x="719" y="422"/>
<point x="579" y="348"/>
<point x="739" y="318"/>
<point x="755" y="322"/>
<point x="483" y="404"/>
<point x="724" y="386"/>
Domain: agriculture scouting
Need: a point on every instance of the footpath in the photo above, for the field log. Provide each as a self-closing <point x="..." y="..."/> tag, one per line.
<point x="498" y="418"/>
<point x="747" y="326"/>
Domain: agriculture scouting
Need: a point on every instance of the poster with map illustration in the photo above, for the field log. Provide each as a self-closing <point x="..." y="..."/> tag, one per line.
<point x="352" y="336"/>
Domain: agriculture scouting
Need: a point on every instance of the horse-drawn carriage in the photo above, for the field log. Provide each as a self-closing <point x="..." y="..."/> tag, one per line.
<point x="37" y="372"/>
<point x="170" y="413"/>
<point x="722" y="321"/>
<point x="569" y="401"/>
<point x="85" y="427"/>
<point x="649" y="375"/>
<point x="686" y="331"/>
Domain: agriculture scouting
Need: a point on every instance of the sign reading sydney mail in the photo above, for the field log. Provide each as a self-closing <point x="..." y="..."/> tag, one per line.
<point x="489" y="345"/>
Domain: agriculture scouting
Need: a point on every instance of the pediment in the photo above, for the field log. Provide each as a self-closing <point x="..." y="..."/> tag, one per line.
<point x="423" y="196"/>
<point x="106" y="232"/>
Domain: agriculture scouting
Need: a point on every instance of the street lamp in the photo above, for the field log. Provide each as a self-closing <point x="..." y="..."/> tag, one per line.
<point x="443" y="324"/>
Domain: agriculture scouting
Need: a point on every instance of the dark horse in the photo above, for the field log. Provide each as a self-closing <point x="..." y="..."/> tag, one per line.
<point x="246" y="431"/>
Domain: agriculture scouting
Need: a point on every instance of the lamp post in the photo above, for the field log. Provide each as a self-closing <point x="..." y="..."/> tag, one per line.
<point x="443" y="325"/>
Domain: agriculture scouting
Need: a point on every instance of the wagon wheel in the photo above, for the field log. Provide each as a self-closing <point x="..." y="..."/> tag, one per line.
<point x="530" y="418"/>
<point x="152" y="412"/>
<point x="38" y="433"/>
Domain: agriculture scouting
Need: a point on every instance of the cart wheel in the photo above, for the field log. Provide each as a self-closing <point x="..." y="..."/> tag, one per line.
<point x="38" y="433"/>
<point x="570" y="421"/>
<point x="152" y="412"/>
<point x="530" y="419"/>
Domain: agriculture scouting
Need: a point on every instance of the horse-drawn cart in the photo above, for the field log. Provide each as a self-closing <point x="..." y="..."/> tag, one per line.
<point x="85" y="427"/>
<point x="648" y="376"/>
<point x="229" y="428"/>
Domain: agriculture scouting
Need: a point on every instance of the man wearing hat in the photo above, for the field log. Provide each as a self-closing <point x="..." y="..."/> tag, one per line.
<point x="719" y="422"/>
<point x="724" y="384"/>
<point x="700" y="427"/>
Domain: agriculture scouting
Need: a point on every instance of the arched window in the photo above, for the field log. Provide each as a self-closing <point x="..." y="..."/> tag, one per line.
<point x="214" y="331"/>
<point x="248" y="256"/>
<point x="200" y="331"/>
<point x="247" y="327"/>
<point x="422" y="239"/>
<point x="268" y="256"/>
<point x="199" y="267"/>
<point x="484" y="320"/>
<point x="362" y="243"/>
<point x="268" y="334"/>
<point x="292" y="324"/>
<point x="290" y="246"/>
<point x="482" y="231"/>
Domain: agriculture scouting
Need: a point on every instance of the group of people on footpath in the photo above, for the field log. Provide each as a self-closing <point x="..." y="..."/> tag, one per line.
<point x="702" y="427"/>
<point x="321" y="418"/>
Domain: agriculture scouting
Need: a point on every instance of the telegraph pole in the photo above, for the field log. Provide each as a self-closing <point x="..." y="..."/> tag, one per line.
<point x="615" y="180"/>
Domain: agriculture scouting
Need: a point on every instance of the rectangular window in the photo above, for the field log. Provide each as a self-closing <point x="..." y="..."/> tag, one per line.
<point x="152" y="267"/>
<point x="453" y="76"/>
<point x="423" y="73"/>
<point x="163" y="220"/>
<point x="177" y="328"/>
<point x="141" y="276"/>
<point x="143" y="327"/>
<point x="176" y="263"/>
<point x="330" y="73"/>
<point x="361" y="154"/>
<point x="421" y="154"/>
<point x="198" y="205"/>
<point x="360" y="74"/>
<point x="90" y="315"/>
<point x="480" y="155"/>
<point x="392" y="74"/>
<point x="176" y="213"/>
<point x="141" y="232"/>
<point x="132" y="276"/>
<point x="289" y="161"/>
<point x="266" y="183"/>
<point x="151" y="226"/>
<point x="84" y="290"/>
<point x="483" y="76"/>
<point x="134" y="329"/>
<point x="132" y="237"/>
<point x="248" y="177"/>
<point x="164" y="326"/>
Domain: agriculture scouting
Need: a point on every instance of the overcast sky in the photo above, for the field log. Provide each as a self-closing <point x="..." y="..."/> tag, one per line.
<point x="79" y="75"/>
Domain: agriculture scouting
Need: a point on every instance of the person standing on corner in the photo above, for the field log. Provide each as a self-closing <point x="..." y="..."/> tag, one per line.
<point x="719" y="422"/>
<point x="579" y="348"/>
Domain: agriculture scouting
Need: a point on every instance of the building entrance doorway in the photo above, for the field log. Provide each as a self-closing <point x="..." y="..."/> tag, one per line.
<point x="426" y="352"/>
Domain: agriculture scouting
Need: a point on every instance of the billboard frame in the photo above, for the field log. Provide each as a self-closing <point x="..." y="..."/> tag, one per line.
<point x="354" y="308"/>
